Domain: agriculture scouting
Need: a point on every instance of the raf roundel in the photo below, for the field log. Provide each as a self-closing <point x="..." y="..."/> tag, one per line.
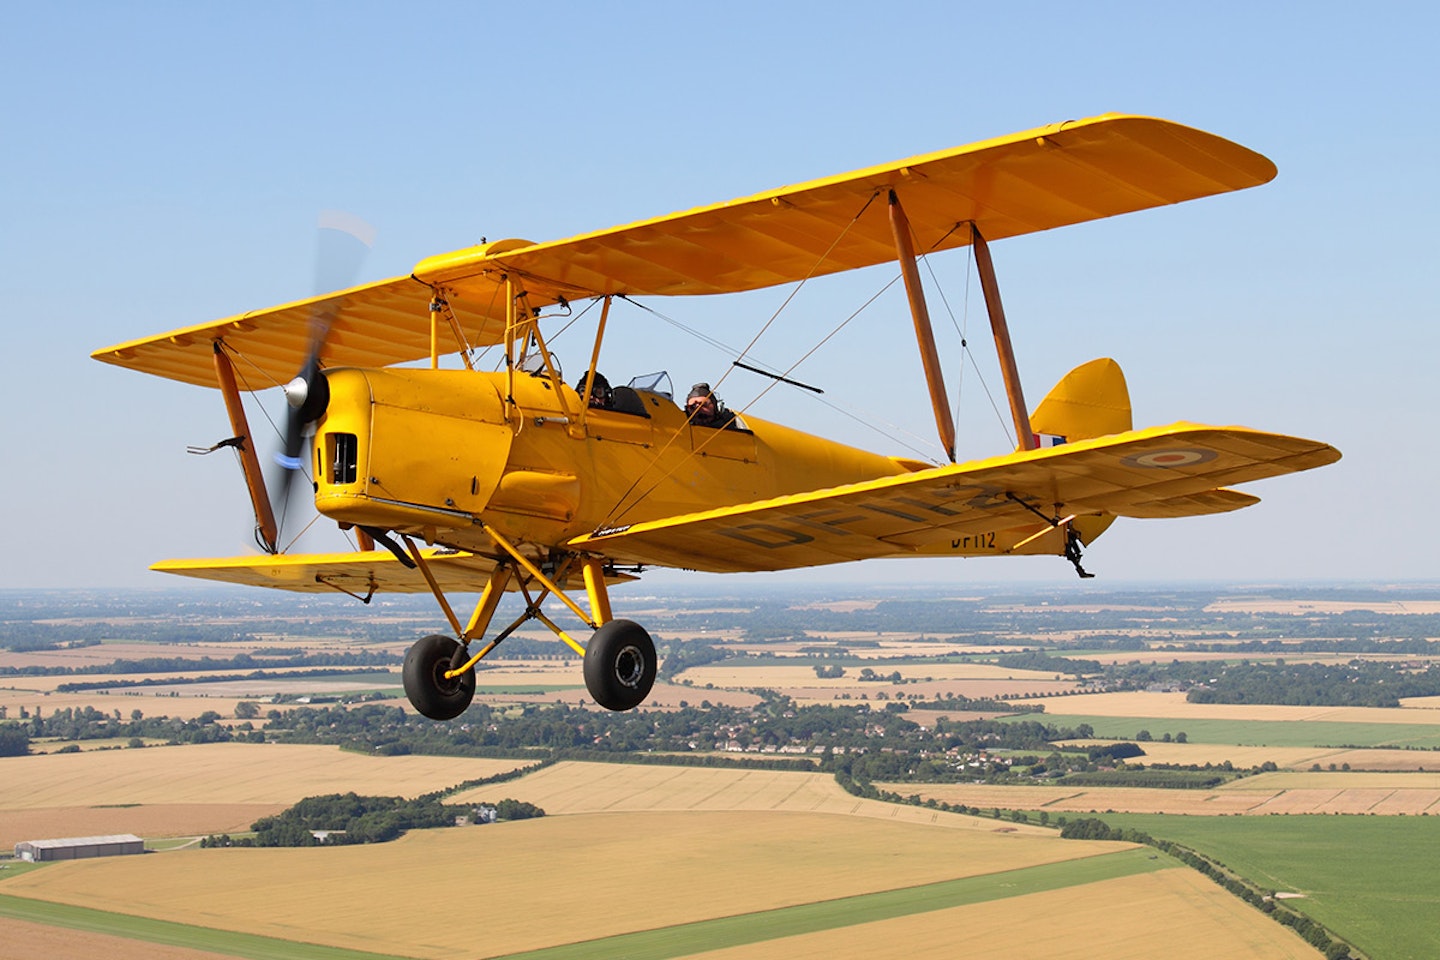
<point x="1170" y="458"/>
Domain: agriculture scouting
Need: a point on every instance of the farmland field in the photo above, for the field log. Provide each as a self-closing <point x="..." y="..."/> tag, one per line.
<point x="1275" y="733"/>
<point x="1295" y="758"/>
<point x="1251" y="796"/>
<point x="1371" y="880"/>
<point x="762" y="884"/>
<point x="202" y="788"/>
<point x="1175" y="706"/>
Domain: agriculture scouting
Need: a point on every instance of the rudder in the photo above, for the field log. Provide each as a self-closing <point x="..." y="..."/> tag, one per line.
<point x="1090" y="401"/>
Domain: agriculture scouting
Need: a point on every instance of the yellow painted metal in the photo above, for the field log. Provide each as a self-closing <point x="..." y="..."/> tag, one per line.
<point x="594" y="360"/>
<point x="924" y="333"/>
<point x="1090" y="401"/>
<point x="249" y="460"/>
<point x="326" y="572"/>
<point x="1024" y="435"/>
<point x="536" y="572"/>
<point x="489" y="599"/>
<point x="424" y="566"/>
<point x="1134" y="473"/>
<point x="434" y="337"/>
<point x="594" y="570"/>
<point x="1035" y="180"/>
<point x="555" y="629"/>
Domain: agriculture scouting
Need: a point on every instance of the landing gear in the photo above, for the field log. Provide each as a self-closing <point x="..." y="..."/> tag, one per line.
<point x="429" y="691"/>
<point x="620" y="661"/>
<point x="620" y="665"/>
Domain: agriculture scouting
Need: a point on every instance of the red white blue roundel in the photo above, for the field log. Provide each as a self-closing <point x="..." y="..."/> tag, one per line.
<point x="1179" y="457"/>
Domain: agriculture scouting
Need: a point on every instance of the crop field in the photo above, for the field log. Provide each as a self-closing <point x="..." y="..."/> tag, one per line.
<point x="1370" y="879"/>
<point x="1253" y="796"/>
<point x="225" y="773"/>
<point x="1294" y="758"/>
<point x="573" y="787"/>
<point x="1269" y="605"/>
<point x="1174" y="705"/>
<point x="20" y="940"/>
<point x="144" y="820"/>
<point x="545" y="882"/>
<point x="1275" y="733"/>
<point x="1175" y="913"/>
<point x="730" y="673"/>
<point x="921" y="679"/>
<point x="203" y="788"/>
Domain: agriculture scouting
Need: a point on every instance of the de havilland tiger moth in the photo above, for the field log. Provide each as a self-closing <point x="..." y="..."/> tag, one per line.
<point x="462" y="480"/>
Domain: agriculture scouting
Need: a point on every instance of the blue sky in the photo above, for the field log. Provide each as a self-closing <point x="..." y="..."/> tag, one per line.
<point x="164" y="164"/>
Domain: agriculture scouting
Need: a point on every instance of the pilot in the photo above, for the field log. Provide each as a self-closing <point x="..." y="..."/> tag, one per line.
<point x="704" y="410"/>
<point x="600" y="395"/>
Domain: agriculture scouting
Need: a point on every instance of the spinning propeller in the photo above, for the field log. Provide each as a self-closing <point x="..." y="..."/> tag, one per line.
<point x="342" y="242"/>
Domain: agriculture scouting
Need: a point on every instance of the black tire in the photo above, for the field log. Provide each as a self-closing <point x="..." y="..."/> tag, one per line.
<point x="425" y="683"/>
<point x="620" y="665"/>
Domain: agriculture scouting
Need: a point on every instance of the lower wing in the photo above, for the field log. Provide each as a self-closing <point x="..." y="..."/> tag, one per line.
<point x="1171" y="471"/>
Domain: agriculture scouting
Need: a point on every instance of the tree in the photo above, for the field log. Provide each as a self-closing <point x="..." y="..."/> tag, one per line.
<point x="14" y="740"/>
<point x="245" y="710"/>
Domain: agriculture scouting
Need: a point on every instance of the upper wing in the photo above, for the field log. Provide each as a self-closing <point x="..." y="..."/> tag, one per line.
<point x="373" y="325"/>
<point x="1043" y="178"/>
<point x="1163" y="471"/>
<point x="1036" y="180"/>
<point x="378" y="571"/>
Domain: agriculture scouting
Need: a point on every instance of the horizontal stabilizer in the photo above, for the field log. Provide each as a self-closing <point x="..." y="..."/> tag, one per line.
<point x="1190" y="505"/>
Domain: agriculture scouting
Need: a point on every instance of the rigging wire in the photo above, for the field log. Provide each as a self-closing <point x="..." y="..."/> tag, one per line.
<point x="964" y="340"/>
<point x="615" y="512"/>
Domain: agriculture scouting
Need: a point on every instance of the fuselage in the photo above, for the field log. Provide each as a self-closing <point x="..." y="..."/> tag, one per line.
<point x="431" y="452"/>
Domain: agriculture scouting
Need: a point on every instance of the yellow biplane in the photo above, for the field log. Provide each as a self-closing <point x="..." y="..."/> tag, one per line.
<point x="515" y="481"/>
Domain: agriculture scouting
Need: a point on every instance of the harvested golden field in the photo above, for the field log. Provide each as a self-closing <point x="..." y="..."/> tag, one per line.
<point x="224" y="773"/>
<point x="1175" y="913"/>
<point x="573" y="787"/>
<point x="1293" y="758"/>
<point x="1250" y="796"/>
<point x="1268" y="605"/>
<point x="549" y="881"/>
<point x="145" y="820"/>
<point x="928" y="690"/>
<point x="1144" y="704"/>
<point x="731" y="673"/>
<point x="15" y="698"/>
<point x="1339" y="779"/>
<point x="663" y="696"/>
<point x="20" y="940"/>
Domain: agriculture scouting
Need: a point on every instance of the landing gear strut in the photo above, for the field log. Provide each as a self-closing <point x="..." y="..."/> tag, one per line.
<point x="620" y="660"/>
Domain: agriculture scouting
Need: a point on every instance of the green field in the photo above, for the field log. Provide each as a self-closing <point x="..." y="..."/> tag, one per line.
<point x="1371" y="880"/>
<point x="1264" y="733"/>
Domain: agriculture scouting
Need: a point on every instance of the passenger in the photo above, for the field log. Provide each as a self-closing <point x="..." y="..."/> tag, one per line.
<point x="704" y="410"/>
<point x="600" y="395"/>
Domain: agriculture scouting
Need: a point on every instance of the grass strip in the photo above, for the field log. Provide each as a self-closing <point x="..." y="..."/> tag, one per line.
<point x="172" y="934"/>
<point x="682" y="940"/>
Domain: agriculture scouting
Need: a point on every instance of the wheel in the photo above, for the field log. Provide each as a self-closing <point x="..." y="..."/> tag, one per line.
<point x="425" y="683"/>
<point x="620" y="665"/>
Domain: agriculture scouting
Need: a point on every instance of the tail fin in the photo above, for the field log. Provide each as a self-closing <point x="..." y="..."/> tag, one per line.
<point x="1090" y="401"/>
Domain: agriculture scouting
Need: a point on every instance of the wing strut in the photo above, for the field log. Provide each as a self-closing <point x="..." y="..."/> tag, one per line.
<point x="1006" y="351"/>
<point x="924" y="333"/>
<point x="249" y="462"/>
